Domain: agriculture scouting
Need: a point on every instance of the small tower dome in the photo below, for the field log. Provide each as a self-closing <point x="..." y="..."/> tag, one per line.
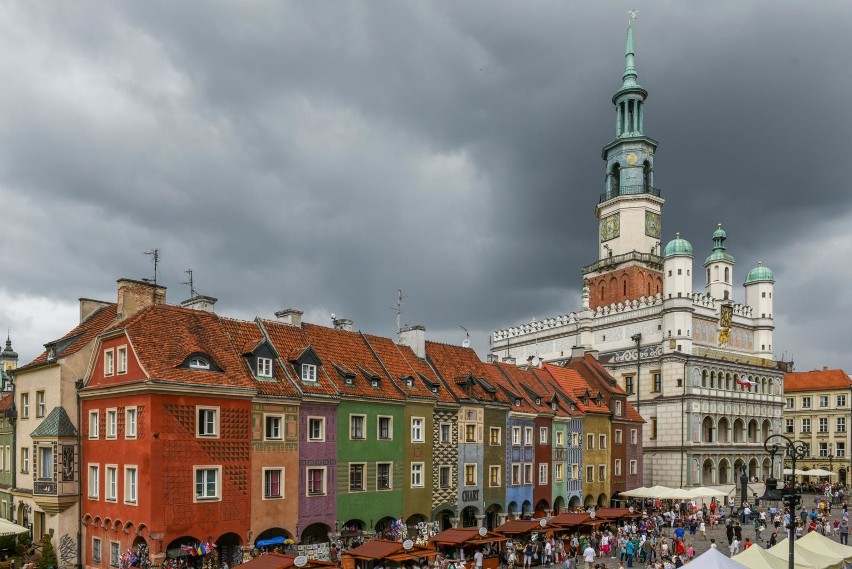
<point x="760" y="274"/>
<point x="678" y="246"/>
<point x="8" y="353"/>
<point x="719" y="253"/>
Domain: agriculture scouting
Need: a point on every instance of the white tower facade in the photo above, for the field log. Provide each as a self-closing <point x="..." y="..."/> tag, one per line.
<point x="719" y="268"/>
<point x="759" y="287"/>
<point x="677" y="296"/>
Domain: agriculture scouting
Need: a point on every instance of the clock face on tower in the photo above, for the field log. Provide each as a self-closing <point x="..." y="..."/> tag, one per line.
<point x="610" y="227"/>
<point x="652" y="224"/>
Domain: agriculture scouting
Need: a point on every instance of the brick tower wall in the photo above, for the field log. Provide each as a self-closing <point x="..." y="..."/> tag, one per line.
<point x="629" y="283"/>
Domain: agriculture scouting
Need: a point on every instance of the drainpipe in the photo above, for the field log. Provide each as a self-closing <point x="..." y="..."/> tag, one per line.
<point x="682" y="427"/>
<point x="13" y="419"/>
<point x="79" y="385"/>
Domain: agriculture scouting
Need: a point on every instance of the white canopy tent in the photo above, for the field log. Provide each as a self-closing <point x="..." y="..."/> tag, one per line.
<point x="818" y="560"/>
<point x="797" y="472"/>
<point x="636" y="492"/>
<point x="9" y="528"/>
<point x="814" y="541"/>
<point x="819" y="472"/>
<point x="705" y="492"/>
<point x="715" y="559"/>
<point x="755" y="557"/>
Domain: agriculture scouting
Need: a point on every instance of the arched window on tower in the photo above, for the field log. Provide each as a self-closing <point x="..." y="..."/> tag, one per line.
<point x="646" y="177"/>
<point x="615" y="183"/>
<point x="603" y="292"/>
<point x="716" y="273"/>
<point x="727" y="275"/>
<point x="624" y="286"/>
<point x="725" y="295"/>
<point x="708" y="275"/>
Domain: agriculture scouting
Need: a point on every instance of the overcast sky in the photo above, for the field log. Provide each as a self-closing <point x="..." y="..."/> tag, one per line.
<point x="322" y="155"/>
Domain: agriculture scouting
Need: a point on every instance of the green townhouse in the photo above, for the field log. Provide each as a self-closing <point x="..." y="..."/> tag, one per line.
<point x="8" y="362"/>
<point x="481" y="422"/>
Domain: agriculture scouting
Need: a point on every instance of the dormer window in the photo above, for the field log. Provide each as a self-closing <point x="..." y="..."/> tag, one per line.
<point x="374" y="383"/>
<point x="517" y="402"/>
<point x="309" y="372"/>
<point x="409" y="382"/>
<point x="553" y="406"/>
<point x="199" y="363"/>
<point x="264" y="367"/>
<point x="349" y="380"/>
<point x="538" y="400"/>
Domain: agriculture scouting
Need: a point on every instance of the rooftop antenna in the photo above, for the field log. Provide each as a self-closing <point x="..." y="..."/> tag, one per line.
<point x="156" y="255"/>
<point x="398" y="309"/>
<point x="190" y="284"/>
<point x="631" y="16"/>
<point x="333" y="317"/>
<point x="466" y="341"/>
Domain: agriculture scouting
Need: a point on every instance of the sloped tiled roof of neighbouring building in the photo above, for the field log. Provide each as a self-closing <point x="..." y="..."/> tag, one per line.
<point x="599" y="378"/>
<point x="464" y="374"/>
<point x="816" y="380"/>
<point x="246" y="336"/>
<point x="575" y="386"/>
<point x="57" y="424"/>
<point x="290" y="342"/>
<point x="401" y="363"/>
<point x="78" y="337"/>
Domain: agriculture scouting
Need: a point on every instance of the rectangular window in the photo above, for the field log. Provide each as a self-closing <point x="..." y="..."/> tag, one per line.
<point x="516" y="475"/>
<point x="653" y="434"/>
<point x="841" y="424"/>
<point x="840" y="449"/>
<point x="516" y="436"/>
<point x="444" y="473"/>
<point x="789" y="403"/>
<point x="356" y="477"/>
<point x="94" y="481"/>
<point x="628" y="384"/>
<point x="528" y="474"/>
<point x="806" y="402"/>
<point x="111" y="423"/>
<point x="25" y="460"/>
<point x="309" y="372"/>
<point x="823" y="400"/>
<point x="575" y="439"/>
<point x="25" y="405"/>
<point x="559" y="471"/>
<point x="788" y="426"/>
<point x="40" y="405"/>
<point x="207" y="483"/>
<point x="385" y="428"/>
<point x="93" y="425"/>
<point x="494" y="476"/>
<point x="114" y="553"/>
<point x="602" y="441"/>
<point x="618" y="436"/>
<point x="619" y="410"/>
<point x="494" y="436"/>
<point x="633" y="467"/>
<point x="383" y="476"/>
<point x="470" y="433"/>
<point x="617" y="467"/>
<point x="130" y="423"/>
<point x="542" y="436"/>
<point x="528" y="435"/>
<point x="470" y="475"/>
<point x="264" y="367"/>
<point x="590" y="441"/>
<point x="121" y="355"/>
<point x="823" y="450"/>
<point x="446" y="432"/>
<point x="806" y="425"/>
<point x="657" y="379"/>
<point x="841" y="400"/>
<point x="45" y="463"/>
<point x="273" y="483"/>
<point x="590" y="473"/>
<point x="316" y="429"/>
<point x="417" y="435"/>
<point x="272" y="428"/>
<point x="575" y="471"/>
<point x="634" y="436"/>
<point x="560" y="438"/>
<point x="542" y="474"/>
<point x="356" y="427"/>
<point x="823" y="425"/>
<point x="111" y="483"/>
<point x="208" y="421"/>
<point x="417" y="475"/>
<point x="109" y="362"/>
<point x="130" y="484"/>
<point x="96" y="550"/>
<point x="601" y="472"/>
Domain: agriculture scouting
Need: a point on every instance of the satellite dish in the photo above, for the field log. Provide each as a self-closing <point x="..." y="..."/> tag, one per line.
<point x="300" y="561"/>
<point x="407" y="544"/>
<point x="483" y="531"/>
<point x="466" y="343"/>
<point x="536" y="360"/>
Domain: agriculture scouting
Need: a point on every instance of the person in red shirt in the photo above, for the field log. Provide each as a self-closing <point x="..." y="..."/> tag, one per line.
<point x="747" y="544"/>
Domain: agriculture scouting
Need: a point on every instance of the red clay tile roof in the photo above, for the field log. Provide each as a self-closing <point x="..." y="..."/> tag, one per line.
<point x="402" y="366"/>
<point x="462" y="370"/>
<point x="80" y="336"/>
<point x="5" y="401"/>
<point x="600" y="379"/>
<point x="290" y="342"/>
<point x="816" y="380"/>
<point x="508" y="377"/>
<point x="246" y="336"/>
<point x="574" y="384"/>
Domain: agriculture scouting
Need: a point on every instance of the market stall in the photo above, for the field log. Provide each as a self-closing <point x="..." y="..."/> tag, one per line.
<point x="275" y="560"/>
<point x="462" y="543"/>
<point x="383" y="552"/>
<point x="521" y="532"/>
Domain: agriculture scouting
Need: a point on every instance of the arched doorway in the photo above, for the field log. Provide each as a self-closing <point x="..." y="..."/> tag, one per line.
<point x="707" y="430"/>
<point x="588" y="501"/>
<point x="315" y="533"/>
<point x="526" y="510"/>
<point x="558" y="505"/>
<point x="766" y="470"/>
<point x="724" y="471"/>
<point x="443" y="519"/>
<point x="708" y="472"/>
<point x="752" y="469"/>
<point x="512" y="510"/>
<point x="417" y="526"/>
<point x="491" y="516"/>
<point x="272" y="538"/>
<point x="574" y="501"/>
<point x="385" y="528"/>
<point x="541" y="508"/>
<point x="468" y="517"/>
<point x="229" y="546"/>
<point x="602" y="500"/>
<point x="179" y="549"/>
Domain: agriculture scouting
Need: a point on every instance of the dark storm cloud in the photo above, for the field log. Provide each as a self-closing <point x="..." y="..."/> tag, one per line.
<point x="323" y="155"/>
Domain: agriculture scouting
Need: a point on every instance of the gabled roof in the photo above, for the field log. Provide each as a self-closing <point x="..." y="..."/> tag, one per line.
<point x="600" y="380"/>
<point x="510" y="377"/>
<point x="56" y="425"/>
<point x="247" y="337"/>
<point x="572" y="382"/>
<point x="457" y="362"/>
<point x="816" y="380"/>
<point x="290" y="342"/>
<point x="78" y="338"/>
<point x="401" y="363"/>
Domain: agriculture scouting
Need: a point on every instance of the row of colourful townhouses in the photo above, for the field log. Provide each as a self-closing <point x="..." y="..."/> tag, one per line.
<point x="171" y="425"/>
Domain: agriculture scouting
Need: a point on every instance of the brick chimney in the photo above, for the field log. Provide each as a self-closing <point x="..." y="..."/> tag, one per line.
<point x="509" y="360"/>
<point x="89" y="306"/>
<point x="342" y="324"/>
<point x="200" y="302"/>
<point x="133" y="296"/>
<point x="415" y="338"/>
<point x="290" y="316"/>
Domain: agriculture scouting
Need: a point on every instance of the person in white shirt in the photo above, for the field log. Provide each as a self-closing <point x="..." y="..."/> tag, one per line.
<point x="589" y="556"/>
<point x="477" y="558"/>
<point x="735" y="547"/>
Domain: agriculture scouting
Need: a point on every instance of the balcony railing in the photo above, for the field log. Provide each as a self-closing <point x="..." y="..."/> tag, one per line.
<point x="629" y="191"/>
<point x="648" y="258"/>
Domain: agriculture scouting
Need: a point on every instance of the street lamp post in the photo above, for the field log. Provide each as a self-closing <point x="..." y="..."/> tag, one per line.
<point x="794" y="450"/>
<point x="830" y="459"/>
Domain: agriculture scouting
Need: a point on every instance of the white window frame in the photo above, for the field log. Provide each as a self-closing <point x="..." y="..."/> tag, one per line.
<point x="204" y="434"/>
<point x="602" y="472"/>
<point x="516" y="436"/>
<point x="111" y="423"/>
<point x="634" y="467"/>
<point x="131" y="488"/>
<point x="25" y="405"/>
<point x="277" y="422"/>
<point x="109" y="362"/>
<point x="619" y="410"/>
<point x="590" y="473"/>
<point x="280" y="471"/>
<point x="110" y="490"/>
<point x="617" y="467"/>
<point x="94" y="433"/>
<point x="841" y="400"/>
<point x="379" y="419"/>
<point x="114" y="554"/>
<point x="528" y="473"/>
<point x="491" y="470"/>
<point x="362" y="487"/>
<point x="417" y="474"/>
<point x="491" y="438"/>
<point x="602" y="442"/>
<point x="41" y="473"/>
<point x="618" y="436"/>
<point x="121" y="359"/>
<point x="264" y="367"/>
<point x="41" y="403"/>
<point x="445" y="428"/>
<point x="823" y="401"/>
<point x="634" y="436"/>
<point x="449" y="471"/>
<point x="590" y="441"/>
<point x="559" y="471"/>
<point x="205" y="497"/>
<point x="131" y="419"/>
<point x="311" y="422"/>
<point x="542" y="474"/>
<point x="324" y="490"/>
<point x="560" y="438"/>
<point x="528" y="436"/>
<point x="97" y="551"/>
<point x="517" y="478"/>
<point x="25" y="460"/>
<point x="390" y="476"/>
<point x="308" y="373"/>
<point x="363" y="418"/>
<point x="542" y="435"/>
<point x="94" y="481"/>
<point x="470" y="465"/>
<point x="418" y="429"/>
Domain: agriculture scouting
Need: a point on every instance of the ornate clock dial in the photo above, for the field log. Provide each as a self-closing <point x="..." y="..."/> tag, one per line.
<point x="610" y="227"/>
<point x="631" y="158"/>
<point x="652" y="224"/>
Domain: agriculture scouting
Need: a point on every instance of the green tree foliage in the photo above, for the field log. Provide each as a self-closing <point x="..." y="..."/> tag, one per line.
<point x="48" y="554"/>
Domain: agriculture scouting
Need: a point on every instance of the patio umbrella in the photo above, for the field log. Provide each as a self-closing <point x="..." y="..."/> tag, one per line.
<point x="797" y="472"/>
<point x="819" y="472"/>
<point x="9" y="528"/>
<point x="705" y="492"/>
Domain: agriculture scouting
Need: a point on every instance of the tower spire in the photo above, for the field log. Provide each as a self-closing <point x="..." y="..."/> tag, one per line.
<point x="629" y="77"/>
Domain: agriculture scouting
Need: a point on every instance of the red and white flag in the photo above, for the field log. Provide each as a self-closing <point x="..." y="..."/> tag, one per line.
<point x="745" y="382"/>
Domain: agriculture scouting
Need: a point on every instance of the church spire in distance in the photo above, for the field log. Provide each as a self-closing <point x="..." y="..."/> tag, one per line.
<point x="629" y="77"/>
<point x="630" y="98"/>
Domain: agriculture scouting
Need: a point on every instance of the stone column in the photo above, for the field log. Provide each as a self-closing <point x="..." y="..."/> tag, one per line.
<point x="480" y="520"/>
<point x="454" y="522"/>
<point x="547" y="513"/>
<point x="617" y="119"/>
<point x="501" y="518"/>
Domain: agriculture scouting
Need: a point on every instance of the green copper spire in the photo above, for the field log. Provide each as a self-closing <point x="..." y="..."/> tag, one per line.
<point x="630" y="98"/>
<point x="629" y="77"/>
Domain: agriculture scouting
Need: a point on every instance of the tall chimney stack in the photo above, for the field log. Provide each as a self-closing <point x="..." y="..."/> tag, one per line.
<point x="134" y="295"/>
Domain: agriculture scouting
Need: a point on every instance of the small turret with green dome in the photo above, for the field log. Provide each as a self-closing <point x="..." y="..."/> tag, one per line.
<point x="760" y="274"/>
<point x="678" y="246"/>
<point x="719" y="253"/>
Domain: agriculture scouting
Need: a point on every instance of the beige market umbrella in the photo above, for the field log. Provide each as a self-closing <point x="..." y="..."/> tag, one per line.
<point x="9" y="528"/>
<point x="819" y="472"/>
<point x="818" y="560"/>
<point x="705" y="492"/>
<point x="821" y="544"/>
